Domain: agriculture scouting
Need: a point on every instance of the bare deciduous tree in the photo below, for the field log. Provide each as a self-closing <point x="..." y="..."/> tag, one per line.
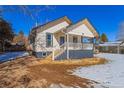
<point x="32" y="12"/>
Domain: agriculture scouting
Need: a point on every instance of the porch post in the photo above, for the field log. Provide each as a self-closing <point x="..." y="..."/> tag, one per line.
<point x="118" y="49"/>
<point x="82" y="37"/>
<point x="93" y="44"/>
<point x="67" y="45"/>
<point x="53" y="52"/>
<point x="82" y="41"/>
<point x="53" y="58"/>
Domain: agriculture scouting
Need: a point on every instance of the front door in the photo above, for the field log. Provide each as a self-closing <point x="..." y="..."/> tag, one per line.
<point x="75" y="39"/>
<point x="62" y="40"/>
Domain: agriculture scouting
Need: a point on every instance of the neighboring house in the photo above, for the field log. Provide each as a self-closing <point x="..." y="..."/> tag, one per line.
<point x="60" y="39"/>
<point x="111" y="47"/>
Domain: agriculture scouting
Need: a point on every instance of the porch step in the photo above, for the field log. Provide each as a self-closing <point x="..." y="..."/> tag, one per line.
<point x="62" y="56"/>
<point x="57" y="53"/>
<point x="49" y="56"/>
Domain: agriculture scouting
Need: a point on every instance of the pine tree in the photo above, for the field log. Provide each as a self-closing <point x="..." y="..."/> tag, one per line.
<point x="103" y="38"/>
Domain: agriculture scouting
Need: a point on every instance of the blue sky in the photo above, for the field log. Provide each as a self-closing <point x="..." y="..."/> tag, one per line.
<point x="105" y="19"/>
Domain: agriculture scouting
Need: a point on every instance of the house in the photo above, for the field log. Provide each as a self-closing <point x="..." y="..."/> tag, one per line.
<point x="61" y="39"/>
<point x="111" y="47"/>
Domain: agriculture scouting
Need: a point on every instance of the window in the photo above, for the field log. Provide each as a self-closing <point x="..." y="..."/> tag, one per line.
<point x="86" y="40"/>
<point x="44" y="54"/>
<point x="49" y="40"/>
<point x="75" y="39"/>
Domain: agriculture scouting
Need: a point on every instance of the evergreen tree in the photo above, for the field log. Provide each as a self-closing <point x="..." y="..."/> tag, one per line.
<point x="103" y="38"/>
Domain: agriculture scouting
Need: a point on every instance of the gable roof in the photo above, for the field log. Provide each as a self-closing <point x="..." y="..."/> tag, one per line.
<point x="52" y="23"/>
<point x="87" y="23"/>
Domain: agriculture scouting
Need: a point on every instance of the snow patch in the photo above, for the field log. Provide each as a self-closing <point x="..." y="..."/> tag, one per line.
<point x="12" y="55"/>
<point x="110" y="74"/>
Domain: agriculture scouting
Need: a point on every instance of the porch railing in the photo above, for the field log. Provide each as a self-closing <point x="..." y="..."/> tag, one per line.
<point x="82" y="46"/>
<point x="88" y="46"/>
<point x="71" y="46"/>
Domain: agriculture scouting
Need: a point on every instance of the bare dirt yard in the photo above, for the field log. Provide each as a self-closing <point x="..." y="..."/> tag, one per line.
<point x="36" y="73"/>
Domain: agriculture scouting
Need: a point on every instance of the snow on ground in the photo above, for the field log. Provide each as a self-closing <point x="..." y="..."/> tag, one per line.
<point x="12" y="55"/>
<point x="110" y="74"/>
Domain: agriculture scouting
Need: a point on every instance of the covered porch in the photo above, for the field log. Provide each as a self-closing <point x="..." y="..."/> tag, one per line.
<point x="72" y="41"/>
<point x="71" y="45"/>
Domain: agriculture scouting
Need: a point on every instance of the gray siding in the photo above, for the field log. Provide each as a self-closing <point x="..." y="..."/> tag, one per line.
<point x="76" y="54"/>
<point x="73" y="54"/>
<point x="40" y="54"/>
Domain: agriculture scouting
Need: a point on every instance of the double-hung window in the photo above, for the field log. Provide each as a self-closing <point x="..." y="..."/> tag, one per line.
<point x="49" y="40"/>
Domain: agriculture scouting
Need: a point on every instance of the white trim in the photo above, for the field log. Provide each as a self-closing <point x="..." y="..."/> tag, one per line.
<point x="67" y="45"/>
<point x="57" y="27"/>
<point x="53" y="55"/>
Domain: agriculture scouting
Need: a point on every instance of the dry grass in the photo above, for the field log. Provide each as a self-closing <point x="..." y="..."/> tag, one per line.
<point x="76" y="62"/>
<point x="33" y="72"/>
